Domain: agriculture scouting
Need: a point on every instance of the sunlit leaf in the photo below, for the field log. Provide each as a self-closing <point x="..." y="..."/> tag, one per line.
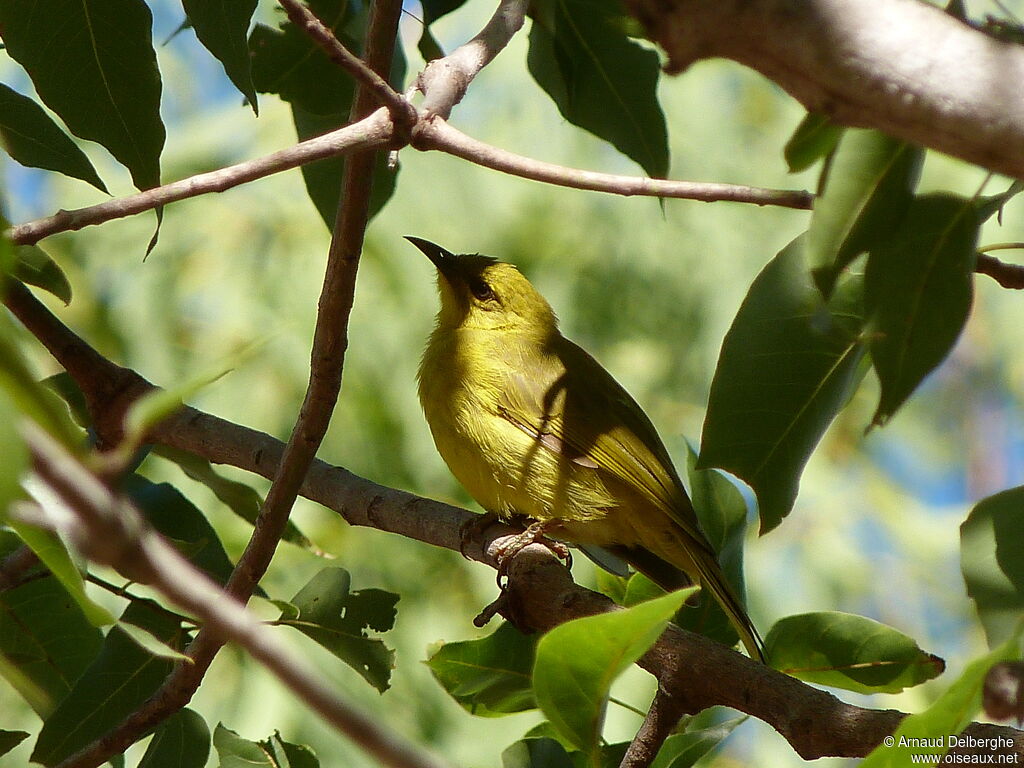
<point x="681" y="750"/>
<point x="97" y="70"/>
<point x="918" y="289"/>
<point x="949" y="715"/>
<point x="847" y="651"/>
<point x="868" y="186"/>
<point x="789" y="362"/>
<point x="490" y="676"/>
<point x="812" y="140"/>
<point x="273" y="752"/>
<point x="181" y="741"/>
<point x="338" y="619"/>
<point x="992" y="561"/>
<point x="118" y="680"/>
<point x="599" y="78"/>
<point x="34" y="140"/>
<point x="578" y="661"/>
<point x="45" y="633"/>
<point x="223" y="27"/>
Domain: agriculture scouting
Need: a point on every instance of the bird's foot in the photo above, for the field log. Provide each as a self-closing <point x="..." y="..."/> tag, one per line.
<point x="473" y="528"/>
<point x="534" y="533"/>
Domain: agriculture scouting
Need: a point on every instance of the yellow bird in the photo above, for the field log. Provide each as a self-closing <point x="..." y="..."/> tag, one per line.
<point x="530" y="424"/>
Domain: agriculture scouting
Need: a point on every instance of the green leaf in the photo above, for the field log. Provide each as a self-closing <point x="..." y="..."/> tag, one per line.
<point x="10" y="739"/>
<point x="45" y="633"/>
<point x="120" y="678"/>
<point x="847" y="651"/>
<point x="273" y="752"/>
<point x="600" y="79"/>
<point x="489" y="677"/>
<point x="722" y="513"/>
<point x="433" y="10"/>
<point x="918" y="290"/>
<point x="949" y="715"/>
<point x="173" y="515"/>
<point x="52" y="552"/>
<point x="867" y="187"/>
<point x="15" y="455"/>
<point x="813" y="139"/>
<point x="338" y="619"/>
<point x="992" y="561"/>
<point x="789" y="362"/>
<point x="239" y="497"/>
<point x="34" y="140"/>
<point x="97" y="70"/>
<point x="578" y="661"/>
<point x="323" y="178"/>
<point x="536" y="753"/>
<point x="182" y="741"/>
<point x="34" y="266"/>
<point x="223" y="26"/>
<point x="682" y="750"/>
<point x="992" y="205"/>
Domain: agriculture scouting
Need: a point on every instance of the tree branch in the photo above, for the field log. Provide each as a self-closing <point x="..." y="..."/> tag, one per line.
<point x="111" y="531"/>
<point x="1007" y="275"/>
<point x="437" y="134"/>
<point x="902" y="66"/>
<point x="375" y="131"/>
<point x="542" y="595"/>
<point x="443" y="82"/>
<point x="660" y="721"/>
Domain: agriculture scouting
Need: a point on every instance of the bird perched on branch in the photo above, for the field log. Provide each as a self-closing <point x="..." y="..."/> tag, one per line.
<point x="531" y="424"/>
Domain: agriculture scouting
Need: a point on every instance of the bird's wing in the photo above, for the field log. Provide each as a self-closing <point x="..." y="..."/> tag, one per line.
<point x="573" y="406"/>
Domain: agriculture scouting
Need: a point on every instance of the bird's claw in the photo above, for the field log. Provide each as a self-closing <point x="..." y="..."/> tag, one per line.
<point x="534" y="533"/>
<point x="473" y="528"/>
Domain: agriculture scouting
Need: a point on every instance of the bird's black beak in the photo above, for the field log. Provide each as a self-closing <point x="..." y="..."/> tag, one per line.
<point x="444" y="260"/>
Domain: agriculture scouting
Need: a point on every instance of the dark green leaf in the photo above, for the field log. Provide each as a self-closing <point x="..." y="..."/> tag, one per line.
<point x="490" y="676"/>
<point x="992" y="561"/>
<point x="34" y="140"/>
<point x="536" y="753"/>
<point x="847" y="651"/>
<point x="15" y="459"/>
<point x="788" y="364"/>
<point x="10" y="739"/>
<point x="323" y="178"/>
<point x="120" y="678"/>
<point x="176" y="517"/>
<point x="949" y="715"/>
<point x="34" y="266"/>
<point x="600" y="79"/>
<point x="182" y="741"/>
<point x="222" y="26"/>
<point x="239" y="497"/>
<point x="812" y="140"/>
<point x="918" y="291"/>
<point x="97" y="70"/>
<point x="273" y="752"/>
<point x="578" y="661"/>
<point x="45" y="633"/>
<point x="435" y="9"/>
<point x="338" y="619"/>
<point x="867" y="187"/>
<point x="69" y="392"/>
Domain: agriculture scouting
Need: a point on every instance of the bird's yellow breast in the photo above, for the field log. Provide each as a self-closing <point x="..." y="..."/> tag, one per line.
<point x="506" y="469"/>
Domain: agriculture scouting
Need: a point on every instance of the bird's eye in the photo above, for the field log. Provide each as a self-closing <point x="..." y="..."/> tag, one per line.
<point x="481" y="290"/>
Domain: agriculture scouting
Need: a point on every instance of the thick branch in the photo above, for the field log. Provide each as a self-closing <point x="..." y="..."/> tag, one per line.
<point x="690" y="667"/>
<point x="439" y="135"/>
<point x="444" y="81"/>
<point x="902" y="66"/>
<point x="110" y="531"/>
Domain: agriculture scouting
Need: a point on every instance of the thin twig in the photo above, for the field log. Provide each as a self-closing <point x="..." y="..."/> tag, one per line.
<point x="112" y="532"/>
<point x="439" y="135"/>
<point x="375" y="131"/>
<point x="814" y="722"/>
<point x="402" y="112"/>
<point x="443" y="82"/>
<point x="1007" y="275"/>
